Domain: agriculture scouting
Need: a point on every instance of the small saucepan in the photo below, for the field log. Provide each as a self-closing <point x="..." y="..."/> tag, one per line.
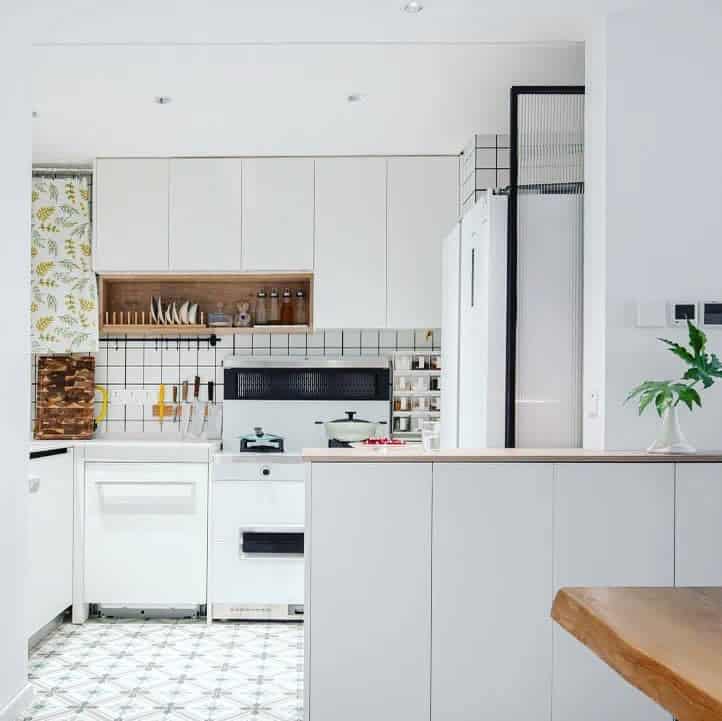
<point x="350" y="429"/>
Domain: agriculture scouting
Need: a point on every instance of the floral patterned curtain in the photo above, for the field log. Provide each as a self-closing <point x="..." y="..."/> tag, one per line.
<point x="64" y="302"/>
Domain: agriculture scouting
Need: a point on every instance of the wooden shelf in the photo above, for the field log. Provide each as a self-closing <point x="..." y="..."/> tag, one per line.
<point x="125" y="296"/>
<point x="194" y="330"/>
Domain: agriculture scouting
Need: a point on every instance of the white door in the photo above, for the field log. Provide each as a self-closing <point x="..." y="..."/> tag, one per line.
<point x="698" y="524"/>
<point x="613" y="526"/>
<point x="423" y="197"/>
<point x="492" y="590"/>
<point x="205" y="214"/>
<point x="50" y="539"/>
<point x="369" y="621"/>
<point x="131" y="215"/>
<point x="451" y="289"/>
<point x="350" y="252"/>
<point x="278" y="203"/>
<point x="146" y="533"/>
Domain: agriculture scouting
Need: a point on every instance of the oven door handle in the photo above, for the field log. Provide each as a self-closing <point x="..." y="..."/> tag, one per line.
<point x="271" y="541"/>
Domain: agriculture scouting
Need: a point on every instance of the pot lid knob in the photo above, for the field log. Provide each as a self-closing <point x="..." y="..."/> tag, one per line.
<point x="258" y="430"/>
<point x="350" y="414"/>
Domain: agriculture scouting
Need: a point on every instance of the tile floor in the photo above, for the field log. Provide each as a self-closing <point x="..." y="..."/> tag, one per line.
<point x="170" y="671"/>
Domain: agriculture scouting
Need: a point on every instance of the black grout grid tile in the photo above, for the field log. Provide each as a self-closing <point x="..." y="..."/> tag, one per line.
<point x="142" y="364"/>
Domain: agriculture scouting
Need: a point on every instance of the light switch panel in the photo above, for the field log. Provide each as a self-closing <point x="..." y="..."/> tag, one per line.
<point x="680" y="311"/>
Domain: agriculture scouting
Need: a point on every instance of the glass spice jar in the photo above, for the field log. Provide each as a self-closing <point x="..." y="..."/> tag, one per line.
<point x="286" y="308"/>
<point x="299" y="314"/>
<point x="274" y="307"/>
<point x="261" y="307"/>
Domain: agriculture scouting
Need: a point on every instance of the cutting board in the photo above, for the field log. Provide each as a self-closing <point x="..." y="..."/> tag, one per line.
<point x="65" y="397"/>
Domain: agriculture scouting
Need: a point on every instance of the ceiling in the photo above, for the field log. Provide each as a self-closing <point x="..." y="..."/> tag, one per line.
<point x="271" y="77"/>
<point x="282" y="21"/>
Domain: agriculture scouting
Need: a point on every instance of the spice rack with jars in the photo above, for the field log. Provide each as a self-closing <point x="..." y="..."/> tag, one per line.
<point x="416" y="392"/>
<point x="226" y="303"/>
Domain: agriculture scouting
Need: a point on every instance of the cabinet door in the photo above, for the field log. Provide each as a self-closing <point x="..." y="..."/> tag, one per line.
<point x="50" y="539"/>
<point x="368" y="625"/>
<point x="423" y="205"/>
<point x="350" y="253"/>
<point x="698" y="525"/>
<point x="278" y="198"/>
<point x="613" y="526"/>
<point x="492" y="590"/>
<point x="131" y="215"/>
<point x="205" y="214"/>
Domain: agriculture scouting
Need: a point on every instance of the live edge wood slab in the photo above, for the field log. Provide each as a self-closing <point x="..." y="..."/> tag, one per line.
<point x="665" y="641"/>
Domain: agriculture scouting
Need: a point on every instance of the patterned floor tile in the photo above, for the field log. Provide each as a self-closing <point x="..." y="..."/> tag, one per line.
<point x="114" y="670"/>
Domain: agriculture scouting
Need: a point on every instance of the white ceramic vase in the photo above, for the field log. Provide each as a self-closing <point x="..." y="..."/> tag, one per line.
<point x="670" y="438"/>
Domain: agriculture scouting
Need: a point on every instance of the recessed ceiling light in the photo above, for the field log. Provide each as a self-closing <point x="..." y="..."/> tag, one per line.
<point x="355" y="98"/>
<point x="414" y="7"/>
<point x="162" y="99"/>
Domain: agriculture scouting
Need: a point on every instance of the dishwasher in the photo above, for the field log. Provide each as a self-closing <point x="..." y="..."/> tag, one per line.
<point x="146" y="535"/>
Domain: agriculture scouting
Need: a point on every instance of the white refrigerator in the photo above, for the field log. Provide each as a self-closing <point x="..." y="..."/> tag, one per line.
<point x="548" y="367"/>
<point x="473" y="347"/>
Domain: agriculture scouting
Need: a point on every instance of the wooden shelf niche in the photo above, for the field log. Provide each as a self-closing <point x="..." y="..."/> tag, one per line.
<point x="124" y="301"/>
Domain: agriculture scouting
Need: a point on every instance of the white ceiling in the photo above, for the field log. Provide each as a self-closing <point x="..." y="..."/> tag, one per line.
<point x="254" y="21"/>
<point x="280" y="100"/>
<point x="269" y="77"/>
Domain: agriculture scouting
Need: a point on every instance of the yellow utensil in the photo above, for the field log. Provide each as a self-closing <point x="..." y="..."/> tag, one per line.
<point x="103" y="391"/>
<point x="161" y="402"/>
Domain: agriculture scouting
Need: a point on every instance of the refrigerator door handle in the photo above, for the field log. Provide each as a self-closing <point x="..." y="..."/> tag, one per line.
<point x="473" y="273"/>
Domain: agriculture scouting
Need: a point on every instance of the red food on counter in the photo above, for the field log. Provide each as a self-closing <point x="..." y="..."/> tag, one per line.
<point x="384" y="442"/>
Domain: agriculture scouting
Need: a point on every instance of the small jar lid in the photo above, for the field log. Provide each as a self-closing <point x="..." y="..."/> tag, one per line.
<point x="274" y="293"/>
<point x="286" y="293"/>
<point x="300" y="294"/>
<point x="261" y="293"/>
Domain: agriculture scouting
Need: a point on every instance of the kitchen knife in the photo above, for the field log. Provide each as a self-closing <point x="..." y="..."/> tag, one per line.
<point x="175" y="404"/>
<point x="184" y="393"/>
<point x="196" y="387"/>
<point x="210" y="391"/>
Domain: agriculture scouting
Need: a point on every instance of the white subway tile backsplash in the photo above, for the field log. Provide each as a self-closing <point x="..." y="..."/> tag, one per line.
<point x="135" y="364"/>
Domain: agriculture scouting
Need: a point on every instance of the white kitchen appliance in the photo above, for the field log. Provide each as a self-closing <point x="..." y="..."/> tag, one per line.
<point x="474" y="327"/>
<point x="257" y="498"/>
<point x="548" y="325"/>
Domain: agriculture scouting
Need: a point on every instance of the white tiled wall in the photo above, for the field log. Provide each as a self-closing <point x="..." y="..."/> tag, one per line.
<point x="144" y="364"/>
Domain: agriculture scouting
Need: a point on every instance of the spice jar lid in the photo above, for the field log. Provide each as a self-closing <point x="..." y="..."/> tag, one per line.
<point x="261" y="293"/>
<point x="286" y="293"/>
<point x="300" y="294"/>
<point x="274" y="292"/>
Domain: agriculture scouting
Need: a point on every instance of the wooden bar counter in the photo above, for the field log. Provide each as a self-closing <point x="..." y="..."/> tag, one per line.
<point x="665" y="641"/>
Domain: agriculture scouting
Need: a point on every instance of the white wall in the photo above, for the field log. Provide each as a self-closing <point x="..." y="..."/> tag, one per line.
<point x="15" y="151"/>
<point x="663" y="188"/>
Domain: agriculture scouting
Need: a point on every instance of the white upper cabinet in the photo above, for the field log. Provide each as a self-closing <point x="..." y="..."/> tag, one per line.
<point x="350" y="253"/>
<point x="131" y="215"/>
<point x="423" y="204"/>
<point x="205" y="214"/>
<point x="278" y="201"/>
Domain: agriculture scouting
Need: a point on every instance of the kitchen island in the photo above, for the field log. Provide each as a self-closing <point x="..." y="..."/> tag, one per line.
<point x="665" y="641"/>
<point x="447" y="564"/>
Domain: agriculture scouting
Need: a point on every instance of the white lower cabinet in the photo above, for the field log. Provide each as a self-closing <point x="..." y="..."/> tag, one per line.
<point x="369" y="592"/>
<point x="699" y="525"/>
<point x="492" y="588"/>
<point x="50" y="539"/>
<point x="612" y="527"/>
<point x="146" y="534"/>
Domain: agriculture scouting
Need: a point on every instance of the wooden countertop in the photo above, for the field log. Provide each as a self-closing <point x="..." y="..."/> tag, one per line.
<point x="665" y="641"/>
<point x="415" y="454"/>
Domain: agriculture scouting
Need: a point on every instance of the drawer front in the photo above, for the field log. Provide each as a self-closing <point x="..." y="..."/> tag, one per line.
<point x="259" y="472"/>
<point x="147" y="454"/>
<point x="146" y="527"/>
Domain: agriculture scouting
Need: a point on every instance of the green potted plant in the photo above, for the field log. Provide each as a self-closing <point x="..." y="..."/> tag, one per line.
<point x="665" y="396"/>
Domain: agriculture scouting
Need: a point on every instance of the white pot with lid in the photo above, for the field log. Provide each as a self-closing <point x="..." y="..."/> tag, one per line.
<point x="350" y="429"/>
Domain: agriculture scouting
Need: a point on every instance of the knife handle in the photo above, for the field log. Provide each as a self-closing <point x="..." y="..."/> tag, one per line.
<point x="210" y="391"/>
<point x="184" y="393"/>
<point x="196" y="387"/>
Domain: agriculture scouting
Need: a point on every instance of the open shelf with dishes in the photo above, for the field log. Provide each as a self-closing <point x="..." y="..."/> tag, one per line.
<point x="191" y="305"/>
<point x="416" y="392"/>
